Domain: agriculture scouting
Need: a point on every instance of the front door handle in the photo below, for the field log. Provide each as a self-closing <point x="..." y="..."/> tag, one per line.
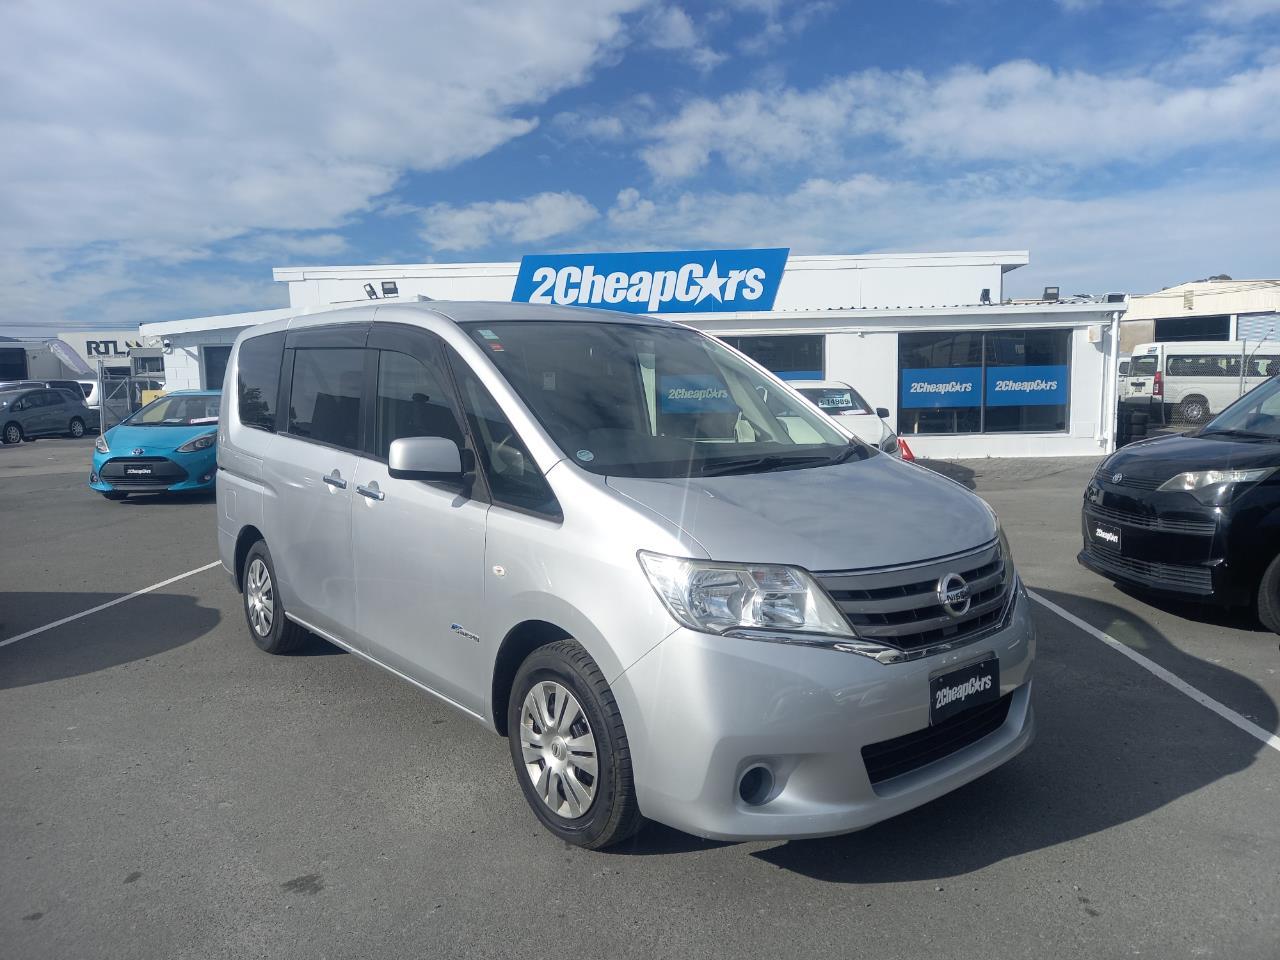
<point x="373" y="493"/>
<point x="335" y="480"/>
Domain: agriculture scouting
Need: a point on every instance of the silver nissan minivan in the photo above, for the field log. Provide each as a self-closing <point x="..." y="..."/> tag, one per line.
<point x="677" y="589"/>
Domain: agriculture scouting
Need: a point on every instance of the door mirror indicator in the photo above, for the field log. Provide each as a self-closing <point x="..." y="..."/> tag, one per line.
<point x="425" y="458"/>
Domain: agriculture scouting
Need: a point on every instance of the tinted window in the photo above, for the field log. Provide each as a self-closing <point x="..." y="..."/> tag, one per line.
<point x="53" y="398"/>
<point x="514" y="479"/>
<point x="1019" y="398"/>
<point x="215" y="366"/>
<point x="791" y="358"/>
<point x="1203" y="365"/>
<point x="324" y="402"/>
<point x="1143" y="367"/>
<point x="412" y="402"/>
<point x="258" y="380"/>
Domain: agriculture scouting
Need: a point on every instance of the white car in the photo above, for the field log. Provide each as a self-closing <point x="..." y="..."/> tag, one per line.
<point x="837" y="399"/>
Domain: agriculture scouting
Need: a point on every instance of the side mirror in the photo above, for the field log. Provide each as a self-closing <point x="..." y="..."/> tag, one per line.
<point x="882" y="413"/>
<point x="424" y="458"/>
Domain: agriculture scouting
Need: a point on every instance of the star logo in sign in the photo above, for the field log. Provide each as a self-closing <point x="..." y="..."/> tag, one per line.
<point x="712" y="285"/>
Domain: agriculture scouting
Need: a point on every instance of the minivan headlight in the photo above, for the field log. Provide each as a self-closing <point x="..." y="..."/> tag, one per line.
<point x="1208" y="485"/>
<point x="202" y="442"/>
<point x="101" y="444"/>
<point x="740" y="599"/>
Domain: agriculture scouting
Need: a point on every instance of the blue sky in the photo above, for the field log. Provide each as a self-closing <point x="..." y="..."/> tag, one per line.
<point x="160" y="158"/>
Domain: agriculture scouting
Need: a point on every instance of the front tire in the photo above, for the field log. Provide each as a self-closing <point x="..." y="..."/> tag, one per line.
<point x="270" y="629"/>
<point x="12" y="433"/>
<point x="76" y="428"/>
<point x="570" y="749"/>
<point x="1269" y="597"/>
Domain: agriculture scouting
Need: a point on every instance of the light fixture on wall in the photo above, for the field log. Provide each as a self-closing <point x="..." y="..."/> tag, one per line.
<point x="369" y="292"/>
<point x="390" y="288"/>
<point x="986" y="295"/>
<point x="1051" y="294"/>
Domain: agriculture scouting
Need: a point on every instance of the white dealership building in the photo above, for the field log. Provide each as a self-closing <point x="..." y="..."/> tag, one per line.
<point x="930" y="336"/>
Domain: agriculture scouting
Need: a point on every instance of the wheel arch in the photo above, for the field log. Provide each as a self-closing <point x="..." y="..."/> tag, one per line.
<point x="248" y="536"/>
<point x="520" y="641"/>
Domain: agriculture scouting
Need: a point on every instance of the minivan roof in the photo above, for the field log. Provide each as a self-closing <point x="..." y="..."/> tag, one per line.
<point x="1206" y="346"/>
<point x="457" y="311"/>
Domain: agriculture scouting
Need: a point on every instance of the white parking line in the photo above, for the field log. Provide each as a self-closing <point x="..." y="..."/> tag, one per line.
<point x="110" y="603"/>
<point x="1226" y="713"/>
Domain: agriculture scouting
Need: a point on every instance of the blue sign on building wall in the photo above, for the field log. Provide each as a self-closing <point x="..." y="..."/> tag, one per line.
<point x="1026" y="386"/>
<point x="676" y="281"/>
<point x="942" y="387"/>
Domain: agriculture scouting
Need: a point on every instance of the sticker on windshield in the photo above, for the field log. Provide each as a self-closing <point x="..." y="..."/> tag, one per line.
<point x="488" y="334"/>
<point x="586" y="456"/>
<point x="694" y="394"/>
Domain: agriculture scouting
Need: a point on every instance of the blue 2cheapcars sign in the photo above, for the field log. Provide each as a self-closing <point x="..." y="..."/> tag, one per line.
<point x="674" y="281"/>
<point x="941" y="387"/>
<point x="1038" y="386"/>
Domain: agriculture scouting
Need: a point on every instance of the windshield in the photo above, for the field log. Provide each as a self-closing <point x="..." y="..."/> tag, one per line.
<point x="1256" y="414"/>
<point x="624" y="399"/>
<point x="842" y="400"/>
<point x="174" y="411"/>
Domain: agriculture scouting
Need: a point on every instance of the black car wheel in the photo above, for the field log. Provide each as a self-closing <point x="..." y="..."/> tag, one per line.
<point x="76" y="427"/>
<point x="1193" y="410"/>
<point x="1269" y="597"/>
<point x="12" y="433"/>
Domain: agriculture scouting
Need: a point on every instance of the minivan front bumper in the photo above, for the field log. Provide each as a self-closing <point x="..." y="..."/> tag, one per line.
<point x="701" y="711"/>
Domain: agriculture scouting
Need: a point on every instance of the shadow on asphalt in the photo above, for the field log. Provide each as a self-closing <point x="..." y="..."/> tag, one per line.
<point x="954" y="471"/>
<point x="1113" y="745"/>
<point x="155" y="499"/>
<point x="157" y="622"/>
<point x="1237" y="618"/>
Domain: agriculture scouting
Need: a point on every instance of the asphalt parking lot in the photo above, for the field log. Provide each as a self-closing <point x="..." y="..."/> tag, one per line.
<point x="169" y="791"/>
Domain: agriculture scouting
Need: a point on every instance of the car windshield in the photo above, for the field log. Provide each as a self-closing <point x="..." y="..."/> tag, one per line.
<point x="1256" y="415"/>
<point x="843" y="400"/>
<point x="175" y="411"/>
<point x="626" y="399"/>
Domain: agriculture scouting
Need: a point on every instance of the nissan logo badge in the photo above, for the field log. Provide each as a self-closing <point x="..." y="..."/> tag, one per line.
<point x="953" y="594"/>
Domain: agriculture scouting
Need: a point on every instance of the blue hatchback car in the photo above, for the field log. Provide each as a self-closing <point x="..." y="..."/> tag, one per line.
<point x="168" y="446"/>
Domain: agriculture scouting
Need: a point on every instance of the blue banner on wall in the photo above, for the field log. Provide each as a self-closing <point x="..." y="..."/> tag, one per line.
<point x="942" y="387"/>
<point x="1026" y="386"/>
<point x="675" y="281"/>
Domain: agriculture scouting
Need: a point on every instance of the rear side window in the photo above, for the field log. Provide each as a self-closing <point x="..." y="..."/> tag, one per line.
<point x="54" y="398"/>
<point x="324" y="401"/>
<point x="412" y="402"/>
<point x="258" y="380"/>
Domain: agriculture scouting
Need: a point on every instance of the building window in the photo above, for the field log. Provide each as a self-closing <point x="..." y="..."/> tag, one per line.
<point x="214" y="360"/>
<point x="791" y="358"/>
<point x="984" y="382"/>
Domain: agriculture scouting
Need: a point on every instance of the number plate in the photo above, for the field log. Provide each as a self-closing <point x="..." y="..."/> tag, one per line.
<point x="139" y="471"/>
<point x="959" y="690"/>
<point x="1104" y="536"/>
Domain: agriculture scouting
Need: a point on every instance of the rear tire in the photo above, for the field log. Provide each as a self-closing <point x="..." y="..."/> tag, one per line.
<point x="1193" y="409"/>
<point x="12" y="433"/>
<point x="76" y="428"/>
<point x="270" y="629"/>
<point x="1269" y="597"/>
<point x="555" y="759"/>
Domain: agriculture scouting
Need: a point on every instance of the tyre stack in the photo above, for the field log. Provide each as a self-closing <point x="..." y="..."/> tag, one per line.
<point x="1131" y="423"/>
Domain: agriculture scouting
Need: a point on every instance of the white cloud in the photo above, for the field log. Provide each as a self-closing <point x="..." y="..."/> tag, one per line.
<point x="1134" y="241"/>
<point x="1017" y="111"/>
<point x="671" y="28"/>
<point x="477" y="225"/>
<point x="155" y="130"/>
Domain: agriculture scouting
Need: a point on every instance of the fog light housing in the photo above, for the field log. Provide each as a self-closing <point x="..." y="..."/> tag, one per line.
<point x="755" y="786"/>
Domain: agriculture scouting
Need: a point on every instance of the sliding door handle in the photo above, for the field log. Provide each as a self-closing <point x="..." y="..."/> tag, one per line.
<point x="335" y="480"/>
<point x="372" y="492"/>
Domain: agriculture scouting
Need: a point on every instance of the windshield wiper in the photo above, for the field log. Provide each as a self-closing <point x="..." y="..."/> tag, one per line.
<point x="1250" y="434"/>
<point x="730" y="465"/>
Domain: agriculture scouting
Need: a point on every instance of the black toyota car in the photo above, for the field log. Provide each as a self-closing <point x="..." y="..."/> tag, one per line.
<point x="1197" y="515"/>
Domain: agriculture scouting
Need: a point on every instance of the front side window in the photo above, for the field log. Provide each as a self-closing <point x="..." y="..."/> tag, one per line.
<point x="655" y="401"/>
<point x="412" y="402"/>
<point x="177" y="411"/>
<point x="324" y="398"/>
<point x="514" y="479"/>
<point x="258" y="380"/>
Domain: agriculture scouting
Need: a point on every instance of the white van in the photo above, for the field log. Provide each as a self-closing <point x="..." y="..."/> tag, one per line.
<point x="1197" y="379"/>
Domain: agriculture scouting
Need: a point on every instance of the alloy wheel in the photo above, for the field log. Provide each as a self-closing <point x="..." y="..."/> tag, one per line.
<point x="559" y="749"/>
<point x="259" y="598"/>
<point x="12" y="434"/>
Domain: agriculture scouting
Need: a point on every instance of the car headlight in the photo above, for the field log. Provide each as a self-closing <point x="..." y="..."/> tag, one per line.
<point x="202" y="442"/>
<point x="743" y="600"/>
<point x="1209" y="485"/>
<point x="101" y="444"/>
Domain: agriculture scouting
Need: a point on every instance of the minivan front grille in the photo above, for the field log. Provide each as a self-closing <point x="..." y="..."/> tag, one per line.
<point x="899" y="607"/>
<point x="893" y="758"/>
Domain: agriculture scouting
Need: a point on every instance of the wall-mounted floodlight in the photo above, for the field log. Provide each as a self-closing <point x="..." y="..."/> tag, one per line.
<point x="390" y="289"/>
<point x="986" y="295"/>
<point x="1051" y="294"/>
<point x="369" y="292"/>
